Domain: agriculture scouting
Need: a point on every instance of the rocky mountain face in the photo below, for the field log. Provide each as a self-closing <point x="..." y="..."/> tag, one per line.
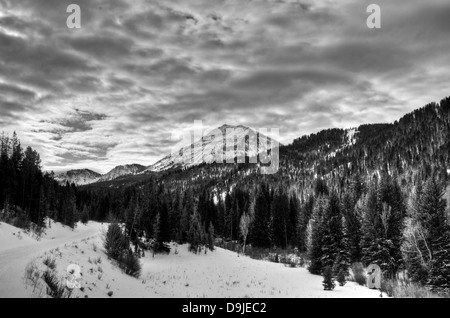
<point x="224" y="144"/>
<point x="78" y="177"/>
<point x="86" y="176"/>
<point x="119" y="171"/>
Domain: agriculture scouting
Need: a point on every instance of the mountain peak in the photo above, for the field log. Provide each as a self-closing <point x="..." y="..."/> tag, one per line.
<point x="78" y="176"/>
<point x="210" y="147"/>
<point x="225" y="126"/>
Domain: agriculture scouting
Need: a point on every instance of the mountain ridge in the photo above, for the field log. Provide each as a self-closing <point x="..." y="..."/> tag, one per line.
<point x="87" y="176"/>
<point x="418" y="137"/>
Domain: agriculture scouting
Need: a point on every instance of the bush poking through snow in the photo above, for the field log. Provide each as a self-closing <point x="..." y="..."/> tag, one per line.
<point x="130" y="264"/>
<point x="50" y="262"/>
<point x="328" y="280"/>
<point x="406" y="289"/>
<point x="55" y="288"/>
<point x="358" y="274"/>
<point x="32" y="274"/>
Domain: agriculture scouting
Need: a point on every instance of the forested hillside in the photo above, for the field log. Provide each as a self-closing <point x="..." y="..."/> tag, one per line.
<point x="27" y="194"/>
<point x="368" y="195"/>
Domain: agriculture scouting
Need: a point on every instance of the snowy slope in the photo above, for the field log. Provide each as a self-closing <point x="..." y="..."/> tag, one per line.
<point x="221" y="273"/>
<point x="119" y="171"/>
<point x="218" y="143"/>
<point x="16" y="253"/>
<point x="350" y="139"/>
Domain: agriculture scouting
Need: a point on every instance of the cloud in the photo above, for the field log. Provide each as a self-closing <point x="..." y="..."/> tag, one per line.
<point x="114" y="91"/>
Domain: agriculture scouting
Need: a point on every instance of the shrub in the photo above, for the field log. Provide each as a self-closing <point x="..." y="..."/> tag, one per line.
<point x="328" y="280"/>
<point x="358" y="274"/>
<point x="405" y="289"/>
<point x="302" y="261"/>
<point x="50" y="262"/>
<point x="129" y="262"/>
<point x="22" y="221"/>
<point x="32" y="274"/>
<point x="55" y="288"/>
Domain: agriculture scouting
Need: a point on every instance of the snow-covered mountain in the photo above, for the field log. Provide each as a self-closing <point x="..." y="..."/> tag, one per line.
<point x="120" y="171"/>
<point x="86" y="176"/>
<point x="79" y="176"/>
<point x="223" y="142"/>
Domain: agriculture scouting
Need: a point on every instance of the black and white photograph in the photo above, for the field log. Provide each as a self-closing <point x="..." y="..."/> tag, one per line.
<point x="224" y="149"/>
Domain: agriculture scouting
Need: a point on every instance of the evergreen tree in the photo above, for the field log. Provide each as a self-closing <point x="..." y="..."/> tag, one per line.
<point x="211" y="237"/>
<point x="260" y="228"/>
<point x="328" y="280"/>
<point x="332" y="235"/>
<point x="196" y="234"/>
<point x="342" y="261"/>
<point x="352" y="215"/>
<point x="341" y="278"/>
<point x="315" y="251"/>
<point x="383" y="218"/>
<point x="434" y="220"/>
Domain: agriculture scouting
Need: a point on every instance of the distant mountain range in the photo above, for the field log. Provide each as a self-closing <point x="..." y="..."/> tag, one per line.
<point x="86" y="176"/>
<point x="215" y="144"/>
<point x="419" y="139"/>
<point x="78" y="176"/>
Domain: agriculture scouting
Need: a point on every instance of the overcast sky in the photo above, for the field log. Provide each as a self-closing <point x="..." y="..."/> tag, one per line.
<point x="114" y="91"/>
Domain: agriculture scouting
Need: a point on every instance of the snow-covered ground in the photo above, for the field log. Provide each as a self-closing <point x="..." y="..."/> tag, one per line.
<point x="17" y="249"/>
<point x="180" y="274"/>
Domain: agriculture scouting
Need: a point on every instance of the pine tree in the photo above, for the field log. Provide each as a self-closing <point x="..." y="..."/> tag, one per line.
<point x="342" y="262"/>
<point x="315" y="251"/>
<point x="332" y="235"/>
<point x="433" y="217"/>
<point x="195" y="237"/>
<point x="211" y="237"/>
<point x="341" y="278"/>
<point x="383" y="223"/>
<point x="164" y="227"/>
<point x="260" y="228"/>
<point x="115" y="242"/>
<point x="352" y="214"/>
<point x="305" y="213"/>
<point x="328" y="280"/>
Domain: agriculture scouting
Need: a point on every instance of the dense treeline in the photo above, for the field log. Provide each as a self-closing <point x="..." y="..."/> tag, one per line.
<point x="26" y="193"/>
<point x="372" y="221"/>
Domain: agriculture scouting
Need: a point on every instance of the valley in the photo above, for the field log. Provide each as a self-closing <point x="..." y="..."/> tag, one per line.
<point x="217" y="274"/>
